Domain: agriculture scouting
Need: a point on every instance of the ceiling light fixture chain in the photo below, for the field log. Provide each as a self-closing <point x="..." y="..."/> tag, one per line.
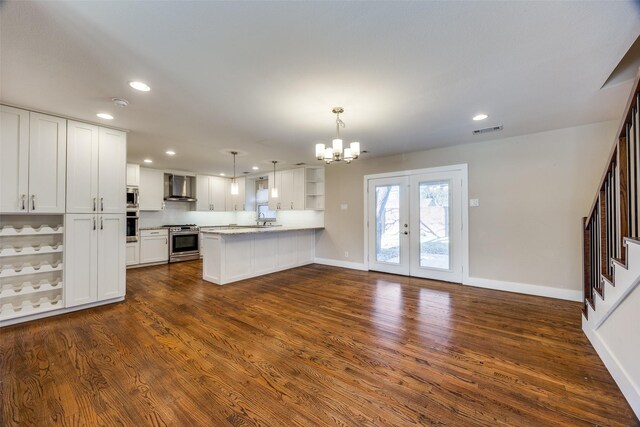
<point x="336" y="153"/>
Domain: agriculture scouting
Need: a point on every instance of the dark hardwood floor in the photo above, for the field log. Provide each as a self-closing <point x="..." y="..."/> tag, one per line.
<point x="311" y="346"/>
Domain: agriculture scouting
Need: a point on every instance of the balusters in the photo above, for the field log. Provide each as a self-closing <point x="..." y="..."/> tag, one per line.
<point x="614" y="214"/>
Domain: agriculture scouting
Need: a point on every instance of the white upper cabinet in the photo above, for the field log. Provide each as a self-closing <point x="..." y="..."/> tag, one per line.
<point x="96" y="161"/>
<point x="235" y="202"/>
<point x="47" y="163"/>
<point x="202" y="193"/>
<point x="32" y="162"/>
<point x="217" y="187"/>
<point x="82" y="170"/>
<point x="112" y="160"/>
<point x="290" y="184"/>
<point x="296" y="198"/>
<point x="133" y="175"/>
<point x="14" y="159"/>
<point x="210" y="192"/>
<point x="151" y="196"/>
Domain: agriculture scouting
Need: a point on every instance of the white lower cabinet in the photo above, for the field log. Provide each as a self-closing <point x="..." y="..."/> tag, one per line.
<point x="133" y="253"/>
<point x="95" y="258"/>
<point x="154" y="246"/>
<point x="229" y="258"/>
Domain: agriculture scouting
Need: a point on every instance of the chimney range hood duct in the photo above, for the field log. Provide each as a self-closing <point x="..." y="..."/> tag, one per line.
<point x="180" y="188"/>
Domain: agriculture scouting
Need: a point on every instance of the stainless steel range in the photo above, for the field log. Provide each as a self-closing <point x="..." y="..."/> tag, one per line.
<point x="184" y="242"/>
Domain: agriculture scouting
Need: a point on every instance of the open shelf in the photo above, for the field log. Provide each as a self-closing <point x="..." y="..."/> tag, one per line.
<point x="25" y="269"/>
<point x="28" y="288"/>
<point x="28" y="307"/>
<point x="314" y="188"/>
<point x="11" y="251"/>
<point x="27" y="230"/>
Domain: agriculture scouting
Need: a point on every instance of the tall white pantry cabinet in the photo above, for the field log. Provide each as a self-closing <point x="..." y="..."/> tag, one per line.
<point x="62" y="215"/>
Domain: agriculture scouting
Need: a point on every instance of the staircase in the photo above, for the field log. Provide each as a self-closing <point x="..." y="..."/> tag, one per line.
<point x="611" y="313"/>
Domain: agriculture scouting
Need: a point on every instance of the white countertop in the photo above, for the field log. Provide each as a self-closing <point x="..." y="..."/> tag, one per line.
<point x="254" y="230"/>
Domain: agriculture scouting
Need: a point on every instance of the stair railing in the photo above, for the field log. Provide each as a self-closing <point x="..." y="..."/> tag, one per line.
<point x="614" y="213"/>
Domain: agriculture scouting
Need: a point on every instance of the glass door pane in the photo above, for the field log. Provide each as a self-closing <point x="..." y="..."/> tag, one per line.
<point x="388" y="223"/>
<point x="434" y="224"/>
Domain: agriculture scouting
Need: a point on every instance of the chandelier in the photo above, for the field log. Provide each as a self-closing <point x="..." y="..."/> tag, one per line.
<point x="335" y="153"/>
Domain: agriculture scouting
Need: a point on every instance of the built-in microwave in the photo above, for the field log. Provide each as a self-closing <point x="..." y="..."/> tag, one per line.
<point x="132" y="197"/>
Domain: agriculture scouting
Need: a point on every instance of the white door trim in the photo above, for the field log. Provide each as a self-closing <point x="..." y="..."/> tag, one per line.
<point x="463" y="168"/>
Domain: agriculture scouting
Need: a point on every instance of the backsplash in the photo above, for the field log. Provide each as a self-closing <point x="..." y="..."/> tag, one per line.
<point x="180" y="213"/>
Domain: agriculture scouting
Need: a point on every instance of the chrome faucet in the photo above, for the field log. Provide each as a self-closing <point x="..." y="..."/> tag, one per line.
<point x="261" y="215"/>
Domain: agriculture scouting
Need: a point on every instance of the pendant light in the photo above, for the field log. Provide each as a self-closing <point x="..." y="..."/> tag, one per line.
<point x="234" y="184"/>
<point x="336" y="153"/>
<point x="274" y="189"/>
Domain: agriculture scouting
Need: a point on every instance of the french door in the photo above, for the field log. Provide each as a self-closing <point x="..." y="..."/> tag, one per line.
<point x="415" y="223"/>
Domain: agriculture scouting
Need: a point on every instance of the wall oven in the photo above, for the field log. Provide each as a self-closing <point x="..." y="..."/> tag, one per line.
<point x="132" y="197"/>
<point x="133" y="230"/>
<point x="184" y="243"/>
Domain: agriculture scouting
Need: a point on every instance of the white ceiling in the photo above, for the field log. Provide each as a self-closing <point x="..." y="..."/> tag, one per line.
<point x="262" y="77"/>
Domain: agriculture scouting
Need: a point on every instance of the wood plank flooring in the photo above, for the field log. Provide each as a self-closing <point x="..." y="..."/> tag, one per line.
<point x="312" y="346"/>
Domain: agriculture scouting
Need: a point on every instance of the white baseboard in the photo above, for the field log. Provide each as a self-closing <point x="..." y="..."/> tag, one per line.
<point x="524" y="288"/>
<point x="339" y="263"/>
<point x="618" y="373"/>
<point x="520" y="288"/>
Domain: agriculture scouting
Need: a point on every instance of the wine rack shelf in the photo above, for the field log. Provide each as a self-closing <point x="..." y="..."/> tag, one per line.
<point x="31" y="265"/>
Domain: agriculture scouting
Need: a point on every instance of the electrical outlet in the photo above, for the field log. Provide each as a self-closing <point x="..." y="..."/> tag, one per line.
<point x="346" y="254"/>
<point x="474" y="202"/>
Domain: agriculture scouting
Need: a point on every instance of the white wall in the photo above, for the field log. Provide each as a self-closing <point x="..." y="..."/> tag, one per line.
<point x="533" y="190"/>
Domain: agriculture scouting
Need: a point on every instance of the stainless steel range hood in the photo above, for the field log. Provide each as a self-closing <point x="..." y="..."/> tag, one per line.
<point x="179" y="188"/>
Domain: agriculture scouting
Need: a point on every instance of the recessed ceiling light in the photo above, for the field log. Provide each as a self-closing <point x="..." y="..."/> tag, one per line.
<point x="480" y="117"/>
<point x="148" y="161"/>
<point x="105" y="116"/>
<point x="223" y="174"/>
<point x="255" y="168"/>
<point x="140" y="86"/>
<point x="171" y="153"/>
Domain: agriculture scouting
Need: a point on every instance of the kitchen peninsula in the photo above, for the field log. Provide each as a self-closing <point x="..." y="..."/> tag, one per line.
<point x="237" y="253"/>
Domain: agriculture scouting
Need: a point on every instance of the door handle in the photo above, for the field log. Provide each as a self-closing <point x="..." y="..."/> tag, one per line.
<point x="101" y="204"/>
<point x="33" y="202"/>
<point x="94" y="222"/>
<point x="101" y="223"/>
<point x="291" y="205"/>
<point x="24" y="197"/>
<point x="94" y="204"/>
<point x="166" y="240"/>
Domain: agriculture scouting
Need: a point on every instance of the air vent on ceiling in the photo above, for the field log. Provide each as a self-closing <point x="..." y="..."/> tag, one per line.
<point x="486" y="130"/>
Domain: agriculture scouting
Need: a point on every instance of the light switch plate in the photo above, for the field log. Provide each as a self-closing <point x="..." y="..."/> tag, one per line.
<point x="344" y="206"/>
<point x="474" y="202"/>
